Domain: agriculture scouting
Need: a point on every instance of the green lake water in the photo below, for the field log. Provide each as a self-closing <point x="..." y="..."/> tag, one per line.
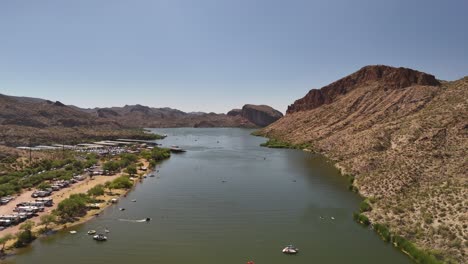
<point x="226" y="200"/>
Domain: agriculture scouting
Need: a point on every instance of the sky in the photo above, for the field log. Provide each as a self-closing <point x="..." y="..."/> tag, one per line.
<point x="216" y="55"/>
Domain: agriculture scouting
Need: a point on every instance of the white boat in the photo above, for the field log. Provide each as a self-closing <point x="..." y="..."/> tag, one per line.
<point x="100" y="237"/>
<point x="290" y="250"/>
<point x="73" y="232"/>
<point x="91" y="232"/>
<point x="176" y="149"/>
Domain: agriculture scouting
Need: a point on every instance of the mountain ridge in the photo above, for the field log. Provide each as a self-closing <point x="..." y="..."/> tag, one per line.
<point x="57" y="122"/>
<point x="394" y="78"/>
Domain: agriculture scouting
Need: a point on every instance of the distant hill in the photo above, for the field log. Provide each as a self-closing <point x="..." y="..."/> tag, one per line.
<point x="403" y="134"/>
<point x="25" y="118"/>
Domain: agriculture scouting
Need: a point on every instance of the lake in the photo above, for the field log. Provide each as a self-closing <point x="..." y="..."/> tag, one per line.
<point x="226" y="200"/>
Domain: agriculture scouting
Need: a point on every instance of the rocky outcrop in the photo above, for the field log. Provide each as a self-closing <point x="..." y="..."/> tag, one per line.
<point x="388" y="77"/>
<point x="235" y="112"/>
<point x="260" y="115"/>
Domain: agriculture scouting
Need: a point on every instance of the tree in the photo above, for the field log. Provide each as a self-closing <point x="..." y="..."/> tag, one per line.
<point x="3" y="241"/>
<point x="108" y="185"/>
<point x="25" y="236"/>
<point x="96" y="190"/>
<point x="72" y="207"/>
<point x="46" y="220"/>
<point x="43" y="186"/>
<point x="111" y="166"/>
<point x="27" y="226"/>
<point x="121" y="182"/>
<point x="131" y="169"/>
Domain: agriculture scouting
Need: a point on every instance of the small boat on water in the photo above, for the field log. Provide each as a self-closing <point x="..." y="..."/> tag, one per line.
<point x="133" y="200"/>
<point x="176" y="149"/>
<point x="290" y="249"/>
<point x="91" y="232"/>
<point x="100" y="237"/>
<point x="73" y="232"/>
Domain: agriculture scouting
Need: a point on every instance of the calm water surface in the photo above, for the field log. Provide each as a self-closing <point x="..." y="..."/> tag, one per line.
<point x="226" y="200"/>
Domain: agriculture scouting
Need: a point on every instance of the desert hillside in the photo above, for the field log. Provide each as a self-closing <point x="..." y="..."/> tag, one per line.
<point x="25" y="120"/>
<point x="403" y="134"/>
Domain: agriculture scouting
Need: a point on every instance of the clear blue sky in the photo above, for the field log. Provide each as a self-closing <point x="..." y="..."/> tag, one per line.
<point x="214" y="55"/>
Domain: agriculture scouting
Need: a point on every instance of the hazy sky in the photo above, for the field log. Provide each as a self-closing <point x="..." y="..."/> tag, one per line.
<point x="215" y="55"/>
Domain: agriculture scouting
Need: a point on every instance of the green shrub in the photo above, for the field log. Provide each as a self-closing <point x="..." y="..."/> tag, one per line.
<point x="158" y="154"/>
<point x="360" y="218"/>
<point x="383" y="231"/>
<point x="96" y="190"/>
<point x="72" y="207"/>
<point x="25" y="236"/>
<point x="419" y="256"/>
<point x="111" y="166"/>
<point x="131" y="169"/>
<point x="365" y="206"/>
<point x="122" y="182"/>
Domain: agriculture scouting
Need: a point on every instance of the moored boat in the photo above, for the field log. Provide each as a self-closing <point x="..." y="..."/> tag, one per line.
<point x="91" y="232"/>
<point x="100" y="237"/>
<point x="290" y="249"/>
<point x="176" y="149"/>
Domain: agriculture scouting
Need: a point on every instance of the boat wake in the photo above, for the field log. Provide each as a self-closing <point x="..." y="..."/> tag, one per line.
<point x="134" y="221"/>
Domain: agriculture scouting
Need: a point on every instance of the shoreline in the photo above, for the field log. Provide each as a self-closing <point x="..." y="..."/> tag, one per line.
<point x="405" y="246"/>
<point x="11" y="251"/>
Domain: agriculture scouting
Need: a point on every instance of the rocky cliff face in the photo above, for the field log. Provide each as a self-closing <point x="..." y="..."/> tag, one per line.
<point x="403" y="134"/>
<point x="235" y="112"/>
<point x="389" y="77"/>
<point x="260" y="115"/>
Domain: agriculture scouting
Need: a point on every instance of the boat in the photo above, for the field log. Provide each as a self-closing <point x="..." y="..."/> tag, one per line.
<point x="290" y="249"/>
<point x="133" y="200"/>
<point x="100" y="237"/>
<point x="73" y="232"/>
<point x="176" y="149"/>
<point x="107" y="230"/>
<point x="91" y="232"/>
<point x="148" y="219"/>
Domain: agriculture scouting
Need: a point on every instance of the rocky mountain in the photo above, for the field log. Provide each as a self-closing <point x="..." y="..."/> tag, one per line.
<point x="260" y="115"/>
<point x="403" y="134"/>
<point x="41" y="113"/>
<point x="144" y="116"/>
<point x="392" y="78"/>
<point x="25" y="121"/>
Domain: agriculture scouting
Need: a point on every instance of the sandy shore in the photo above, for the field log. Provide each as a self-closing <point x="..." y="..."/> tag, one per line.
<point x="79" y="187"/>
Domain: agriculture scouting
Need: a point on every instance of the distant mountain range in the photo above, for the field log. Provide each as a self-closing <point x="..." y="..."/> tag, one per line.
<point x="21" y="116"/>
<point x="403" y="134"/>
